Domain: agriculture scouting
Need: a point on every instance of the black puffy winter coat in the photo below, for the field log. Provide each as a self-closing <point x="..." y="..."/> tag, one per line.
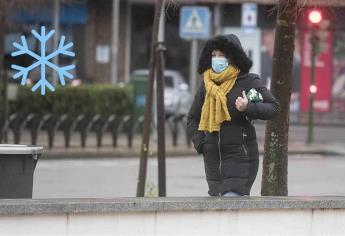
<point x="231" y="155"/>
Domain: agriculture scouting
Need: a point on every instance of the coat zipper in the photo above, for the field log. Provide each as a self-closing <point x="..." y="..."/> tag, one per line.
<point x="220" y="155"/>
<point x="244" y="148"/>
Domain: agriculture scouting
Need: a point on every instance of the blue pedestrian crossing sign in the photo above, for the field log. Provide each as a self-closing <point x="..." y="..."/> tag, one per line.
<point x="249" y="15"/>
<point x="195" y="22"/>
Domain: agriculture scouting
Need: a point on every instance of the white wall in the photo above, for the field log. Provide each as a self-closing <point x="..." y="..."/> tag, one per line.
<point x="208" y="222"/>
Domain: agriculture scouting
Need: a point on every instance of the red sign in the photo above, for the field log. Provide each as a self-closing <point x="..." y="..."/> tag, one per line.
<point x="323" y="74"/>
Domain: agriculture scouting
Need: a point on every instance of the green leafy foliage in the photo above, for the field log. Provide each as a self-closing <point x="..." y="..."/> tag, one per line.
<point x="91" y="99"/>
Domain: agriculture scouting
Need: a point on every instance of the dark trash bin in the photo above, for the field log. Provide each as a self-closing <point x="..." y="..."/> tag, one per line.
<point x="17" y="165"/>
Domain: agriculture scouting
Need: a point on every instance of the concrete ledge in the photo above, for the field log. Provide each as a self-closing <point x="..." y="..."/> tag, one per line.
<point x="66" y="206"/>
<point x="250" y="216"/>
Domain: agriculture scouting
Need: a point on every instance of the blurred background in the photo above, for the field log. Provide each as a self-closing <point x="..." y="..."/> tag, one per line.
<point x="99" y="113"/>
<point x="94" y="27"/>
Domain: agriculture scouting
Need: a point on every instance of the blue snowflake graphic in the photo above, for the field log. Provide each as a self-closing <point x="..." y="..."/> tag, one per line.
<point x="43" y="60"/>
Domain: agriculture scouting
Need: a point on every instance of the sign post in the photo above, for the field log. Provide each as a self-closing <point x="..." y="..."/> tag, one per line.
<point x="160" y="112"/>
<point x="194" y="25"/>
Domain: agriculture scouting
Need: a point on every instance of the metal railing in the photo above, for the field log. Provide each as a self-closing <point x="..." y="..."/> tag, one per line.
<point x="115" y="125"/>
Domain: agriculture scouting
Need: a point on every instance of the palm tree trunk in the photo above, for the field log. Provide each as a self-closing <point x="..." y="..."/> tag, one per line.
<point x="275" y="163"/>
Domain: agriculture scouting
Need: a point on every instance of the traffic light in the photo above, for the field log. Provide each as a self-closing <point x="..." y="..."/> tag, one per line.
<point x="315" y="16"/>
<point x="313" y="89"/>
<point x="319" y="29"/>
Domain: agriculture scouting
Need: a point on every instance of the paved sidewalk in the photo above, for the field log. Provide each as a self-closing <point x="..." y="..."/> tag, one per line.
<point x="294" y="148"/>
<point x="308" y="175"/>
<point x="93" y="152"/>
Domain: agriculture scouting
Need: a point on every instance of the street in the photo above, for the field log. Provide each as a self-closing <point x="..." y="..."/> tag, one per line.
<point x="308" y="175"/>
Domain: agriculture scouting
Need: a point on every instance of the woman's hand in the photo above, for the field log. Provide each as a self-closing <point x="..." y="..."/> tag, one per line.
<point x="242" y="102"/>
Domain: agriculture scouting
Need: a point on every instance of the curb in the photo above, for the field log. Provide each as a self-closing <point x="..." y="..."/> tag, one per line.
<point x="135" y="153"/>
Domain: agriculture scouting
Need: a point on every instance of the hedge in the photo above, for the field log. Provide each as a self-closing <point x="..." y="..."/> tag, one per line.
<point x="100" y="99"/>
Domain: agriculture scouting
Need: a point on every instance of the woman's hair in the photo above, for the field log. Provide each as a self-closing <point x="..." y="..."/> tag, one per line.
<point x="231" y="47"/>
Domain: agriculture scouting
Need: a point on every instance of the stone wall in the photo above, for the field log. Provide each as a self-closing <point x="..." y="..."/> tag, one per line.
<point x="175" y="216"/>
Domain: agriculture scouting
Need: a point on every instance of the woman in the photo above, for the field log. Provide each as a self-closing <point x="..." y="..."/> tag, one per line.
<point x="219" y="120"/>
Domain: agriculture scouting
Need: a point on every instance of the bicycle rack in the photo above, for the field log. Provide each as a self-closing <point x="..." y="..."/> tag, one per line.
<point x="38" y="128"/>
<point x="54" y="128"/>
<point x="5" y="127"/>
<point x="103" y="128"/>
<point x="173" y="126"/>
<point x="184" y="124"/>
<point x="69" y="130"/>
<point x="84" y="132"/>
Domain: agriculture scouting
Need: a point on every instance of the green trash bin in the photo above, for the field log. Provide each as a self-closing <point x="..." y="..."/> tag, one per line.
<point x="17" y="165"/>
<point x="139" y="83"/>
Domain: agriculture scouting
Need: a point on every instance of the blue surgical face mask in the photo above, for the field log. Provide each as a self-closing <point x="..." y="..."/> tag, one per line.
<point x="219" y="64"/>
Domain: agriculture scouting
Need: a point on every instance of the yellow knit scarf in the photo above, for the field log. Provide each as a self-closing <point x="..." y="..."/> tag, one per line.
<point x="215" y="110"/>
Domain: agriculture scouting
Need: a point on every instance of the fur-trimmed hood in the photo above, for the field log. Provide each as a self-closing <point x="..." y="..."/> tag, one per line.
<point x="231" y="46"/>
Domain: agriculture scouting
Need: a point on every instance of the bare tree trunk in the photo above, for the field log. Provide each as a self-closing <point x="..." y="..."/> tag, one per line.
<point x="275" y="163"/>
<point x="148" y="105"/>
<point x="3" y="79"/>
<point x="2" y="35"/>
